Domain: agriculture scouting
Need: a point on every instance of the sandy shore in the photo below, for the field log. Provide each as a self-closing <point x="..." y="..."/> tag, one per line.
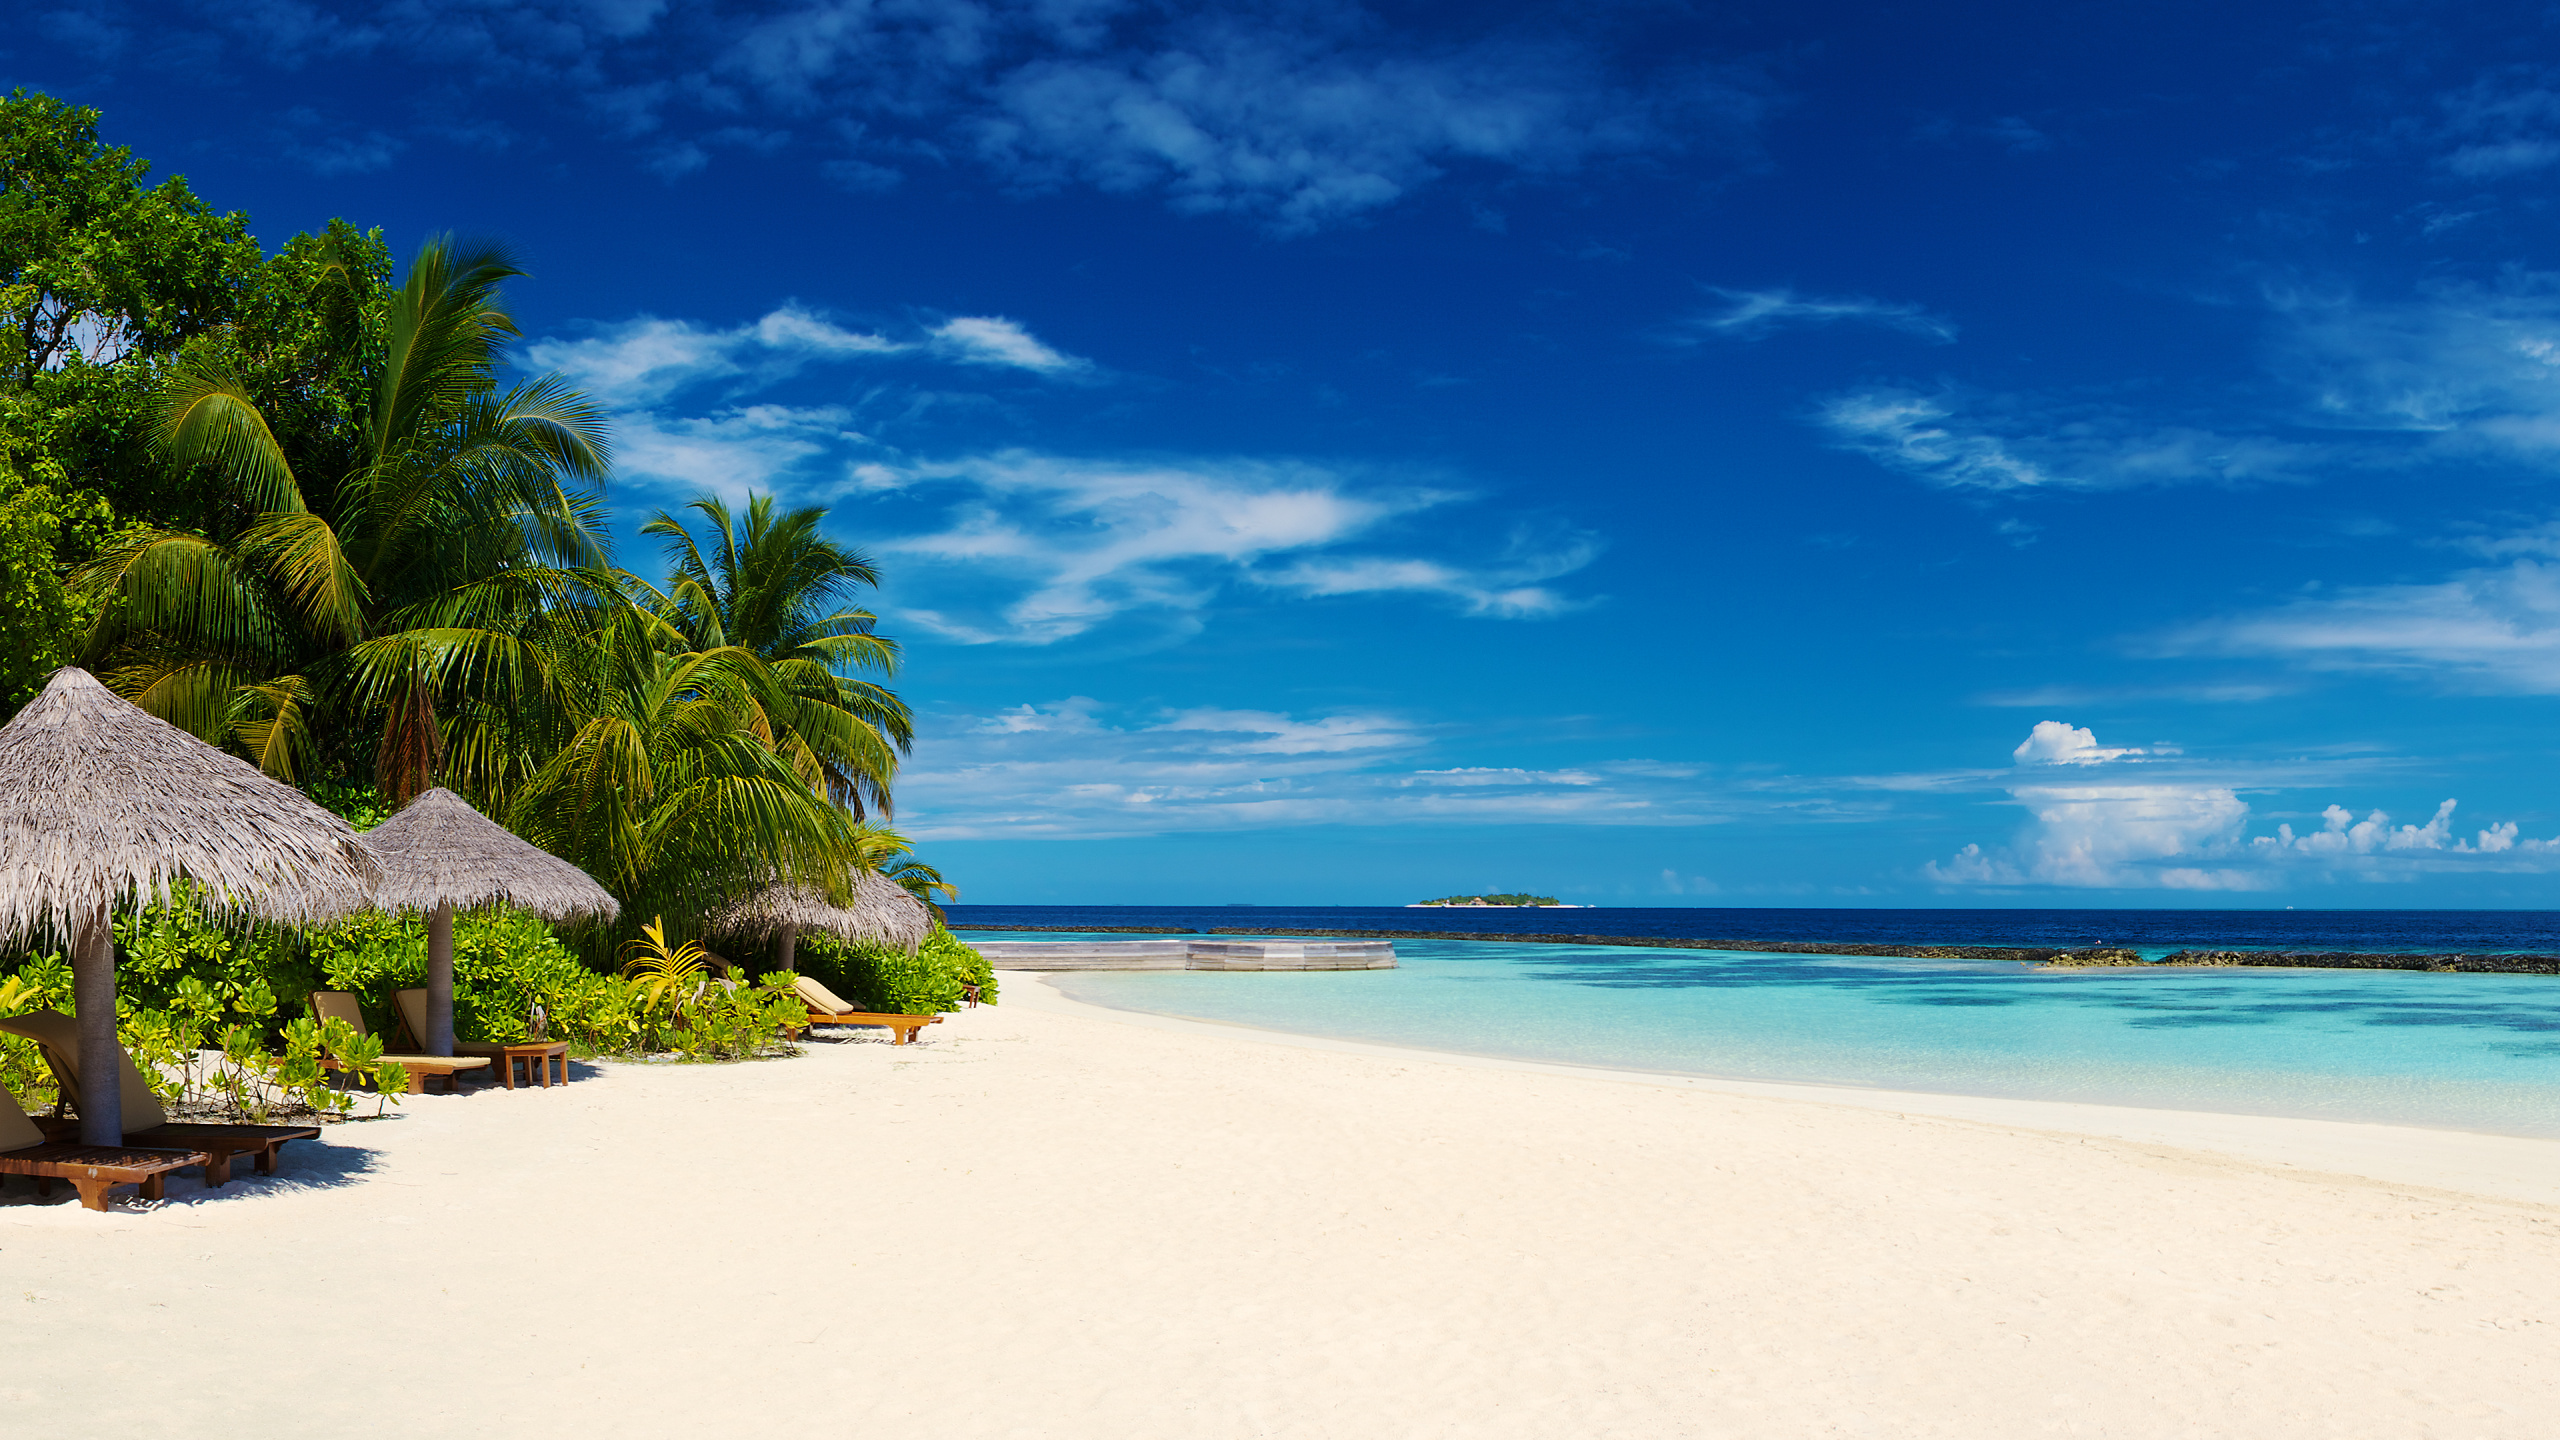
<point x="1053" y="1221"/>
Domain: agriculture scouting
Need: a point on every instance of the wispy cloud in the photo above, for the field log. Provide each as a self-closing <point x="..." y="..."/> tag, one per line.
<point x="1751" y="314"/>
<point x="994" y="340"/>
<point x="1076" y="543"/>
<point x="2473" y="367"/>
<point x="1294" y="117"/>
<point x="2493" y="629"/>
<point x="2504" y="124"/>
<point x="1035" y="548"/>
<point x="1078" y="769"/>
<point x="646" y="360"/>
<point x="1998" y="444"/>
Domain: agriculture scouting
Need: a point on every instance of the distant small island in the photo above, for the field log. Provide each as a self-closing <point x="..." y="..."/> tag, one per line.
<point x="1487" y="902"/>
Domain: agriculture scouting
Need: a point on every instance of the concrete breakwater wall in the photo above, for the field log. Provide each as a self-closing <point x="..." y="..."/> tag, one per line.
<point x="1191" y="954"/>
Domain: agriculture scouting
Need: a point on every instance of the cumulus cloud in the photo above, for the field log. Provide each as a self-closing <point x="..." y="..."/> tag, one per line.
<point x="1751" y="314"/>
<point x="1082" y="542"/>
<point x="2139" y="823"/>
<point x="2008" y="445"/>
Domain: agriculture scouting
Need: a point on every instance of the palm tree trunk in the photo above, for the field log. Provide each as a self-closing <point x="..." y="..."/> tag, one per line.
<point x="93" y="995"/>
<point x="439" y="1036"/>
<point x="785" y="945"/>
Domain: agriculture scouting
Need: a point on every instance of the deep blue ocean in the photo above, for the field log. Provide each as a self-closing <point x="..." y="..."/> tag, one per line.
<point x="2456" y="1051"/>
<point x="2146" y="930"/>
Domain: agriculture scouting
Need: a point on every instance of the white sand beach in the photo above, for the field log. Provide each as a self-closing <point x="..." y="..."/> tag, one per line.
<point x="1052" y="1221"/>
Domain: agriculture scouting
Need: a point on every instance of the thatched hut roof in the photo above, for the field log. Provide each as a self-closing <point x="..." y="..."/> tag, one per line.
<point x="440" y="851"/>
<point x="101" y="803"/>
<point x="880" y="911"/>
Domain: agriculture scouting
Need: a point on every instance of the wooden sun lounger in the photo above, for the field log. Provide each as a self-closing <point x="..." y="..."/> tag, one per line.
<point x="93" y="1170"/>
<point x="826" y="1009"/>
<point x="903" y="1027"/>
<point x="221" y="1144"/>
<point x="342" y="1004"/>
<point x="57" y="1037"/>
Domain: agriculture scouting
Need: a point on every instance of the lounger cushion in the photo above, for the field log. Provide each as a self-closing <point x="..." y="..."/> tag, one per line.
<point x="413" y="1013"/>
<point x="60" y="1034"/>
<point x="329" y="1005"/>
<point x="820" y="998"/>
<point x="17" y="1132"/>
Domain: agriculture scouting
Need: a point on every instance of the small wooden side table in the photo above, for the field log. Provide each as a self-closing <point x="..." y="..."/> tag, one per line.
<point x="537" y="1056"/>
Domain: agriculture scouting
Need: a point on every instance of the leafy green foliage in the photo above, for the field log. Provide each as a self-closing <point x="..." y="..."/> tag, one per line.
<point x="887" y="979"/>
<point x="41" y="619"/>
<point x="1507" y="898"/>
<point x="505" y="962"/>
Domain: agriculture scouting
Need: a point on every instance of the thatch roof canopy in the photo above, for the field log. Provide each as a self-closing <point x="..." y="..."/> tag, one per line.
<point x="102" y="804"/>
<point x="440" y="851"/>
<point x="880" y="911"/>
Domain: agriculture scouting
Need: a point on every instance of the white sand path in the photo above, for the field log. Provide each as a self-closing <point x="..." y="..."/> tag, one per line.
<point x="1049" y="1221"/>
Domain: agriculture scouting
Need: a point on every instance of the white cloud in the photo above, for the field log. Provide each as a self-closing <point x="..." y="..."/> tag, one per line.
<point x="993" y="340"/>
<point x="2004" y="447"/>
<point x="1075" y="770"/>
<point x="646" y="361"/>
<point x="730" y="452"/>
<point x="2473" y="367"/>
<point x="2053" y="742"/>
<point x="1079" y="543"/>
<point x="2148" y="821"/>
<point x="1750" y="314"/>
<point x="1264" y="732"/>
<point x="2492" y="629"/>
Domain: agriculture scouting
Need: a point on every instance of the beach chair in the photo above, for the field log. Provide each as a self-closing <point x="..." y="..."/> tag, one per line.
<point x="538" y="1055"/>
<point x="342" y="1005"/>
<point x="826" y="1009"/>
<point x="57" y="1037"/>
<point x="93" y="1170"/>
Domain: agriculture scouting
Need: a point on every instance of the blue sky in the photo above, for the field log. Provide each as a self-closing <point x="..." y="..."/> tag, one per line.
<point x="1764" y="454"/>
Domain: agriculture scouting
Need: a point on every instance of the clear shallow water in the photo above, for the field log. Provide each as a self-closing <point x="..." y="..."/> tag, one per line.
<point x="2468" y="1052"/>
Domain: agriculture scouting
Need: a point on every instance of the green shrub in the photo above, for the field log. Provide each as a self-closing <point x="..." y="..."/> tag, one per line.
<point x="889" y="980"/>
<point x="505" y="962"/>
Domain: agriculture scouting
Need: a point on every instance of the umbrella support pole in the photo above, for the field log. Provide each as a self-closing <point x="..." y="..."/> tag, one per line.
<point x="439" y="1036"/>
<point x="93" y="996"/>
<point x="786" y="946"/>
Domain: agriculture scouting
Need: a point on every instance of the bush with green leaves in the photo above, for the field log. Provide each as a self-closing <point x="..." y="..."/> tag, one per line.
<point x="197" y="1009"/>
<point x="505" y="962"/>
<point x="886" y="979"/>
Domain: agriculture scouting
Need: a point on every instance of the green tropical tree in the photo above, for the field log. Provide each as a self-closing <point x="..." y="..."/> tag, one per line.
<point x="388" y="586"/>
<point x="771" y="584"/>
<point x="668" y="786"/>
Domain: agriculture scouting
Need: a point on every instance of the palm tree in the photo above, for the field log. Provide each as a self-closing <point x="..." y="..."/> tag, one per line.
<point x="669" y="787"/>
<point x="887" y="852"/>
<point x="412" y="578"/>
<point x="775" y="587"/>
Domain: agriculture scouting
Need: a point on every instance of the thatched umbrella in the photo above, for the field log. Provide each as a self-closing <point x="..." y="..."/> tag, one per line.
<point x="880" y="910"/>
<point x="439" y="855"/>
<point x="102" y="805"/>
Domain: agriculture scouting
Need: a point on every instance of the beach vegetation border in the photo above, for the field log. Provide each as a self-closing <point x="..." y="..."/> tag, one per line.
<point x="887" y="980"/>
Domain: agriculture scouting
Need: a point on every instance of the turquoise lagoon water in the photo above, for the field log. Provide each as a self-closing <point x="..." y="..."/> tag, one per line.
<point x="2468" y="1052"/>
